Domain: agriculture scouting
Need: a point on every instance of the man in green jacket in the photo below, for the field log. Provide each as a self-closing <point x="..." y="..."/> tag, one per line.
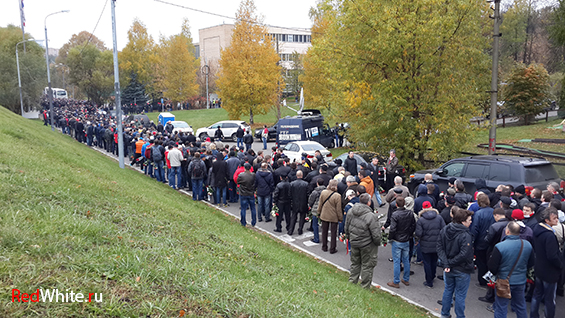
<point x="363" y="229"/>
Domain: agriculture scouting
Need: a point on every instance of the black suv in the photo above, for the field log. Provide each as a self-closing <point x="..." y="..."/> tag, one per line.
<point x="494" y="170"/>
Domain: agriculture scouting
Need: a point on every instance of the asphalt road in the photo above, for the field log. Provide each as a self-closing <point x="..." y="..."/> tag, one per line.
<point x="416" y="293"/>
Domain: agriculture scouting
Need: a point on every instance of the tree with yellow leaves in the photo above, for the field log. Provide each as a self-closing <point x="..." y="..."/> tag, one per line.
<point x="410" y="74"/>
<point x="138" y="56"/>
<point x="250" y="75"/>
<point x="179" y="66"/>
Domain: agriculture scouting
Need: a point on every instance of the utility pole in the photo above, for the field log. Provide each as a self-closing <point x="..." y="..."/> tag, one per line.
<point x="206" y="70"/>
<point x="494" y="83"/>
<point x="117" y="89"/>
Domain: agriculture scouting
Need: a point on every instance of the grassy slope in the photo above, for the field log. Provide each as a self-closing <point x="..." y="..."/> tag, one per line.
<point x="71" y="219"/>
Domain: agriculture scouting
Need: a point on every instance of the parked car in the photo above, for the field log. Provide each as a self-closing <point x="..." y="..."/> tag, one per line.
<point x="366" y="157"/>
<point x="272" y="133"/>
<point x="141" y="118"/>
<point x="181" y="126"/>
<point x="228" y="127"/>
<point x="295" y="149"/>
<point x="495" y="170"/>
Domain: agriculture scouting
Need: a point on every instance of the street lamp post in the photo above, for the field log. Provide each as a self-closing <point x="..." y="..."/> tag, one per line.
<point x="19" y="78"/>
<point x="494" y="80"/>
<point x="50" y="93"/>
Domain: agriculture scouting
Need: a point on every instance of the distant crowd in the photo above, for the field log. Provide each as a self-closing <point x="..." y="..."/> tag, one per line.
<point x="514" y="235"/>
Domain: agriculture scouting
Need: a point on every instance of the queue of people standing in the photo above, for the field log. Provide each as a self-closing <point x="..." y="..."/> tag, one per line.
<point x="516" y="234"/>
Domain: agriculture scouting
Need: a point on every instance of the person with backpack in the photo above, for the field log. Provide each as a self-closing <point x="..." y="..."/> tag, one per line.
<point x="157" y="153"/>
<point x="197" y="170"/>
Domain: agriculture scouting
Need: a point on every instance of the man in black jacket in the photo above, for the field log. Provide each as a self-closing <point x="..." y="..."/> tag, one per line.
<point x="246" y="183"/>
<point x="299" y="203"/>
<point x="548" y="264"/>
<point x="350" y="164"/>
<point x="401" y="232"/>
<point x="248" y="141"/>
<point x="239" y="135"/>
<point x="218" y="135"/>
<point x="281" y="198"/>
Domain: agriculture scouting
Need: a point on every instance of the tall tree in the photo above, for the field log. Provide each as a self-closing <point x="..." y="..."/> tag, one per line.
<point x="134" y="93"/>
<point x="91" y="70"/>
<point x="79" y="40"/>
<point x="179" y="66"/>
<point x="32" y="70"/>
<point x="249" y="75"/>
<point x="412" y="72"/>
<point x="527" y="92"/>
<point x="139" y="56"/>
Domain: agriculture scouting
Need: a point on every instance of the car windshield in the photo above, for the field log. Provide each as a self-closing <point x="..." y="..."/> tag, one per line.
<point x="540" y="173"/>
<point x="61" y="93"/>
<point x="313" y="147"/>
<point x="180" y="125"/>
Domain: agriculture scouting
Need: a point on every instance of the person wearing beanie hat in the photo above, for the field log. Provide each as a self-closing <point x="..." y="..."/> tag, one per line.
<point x="517" y="215"/>
<point x="428" y="227"/>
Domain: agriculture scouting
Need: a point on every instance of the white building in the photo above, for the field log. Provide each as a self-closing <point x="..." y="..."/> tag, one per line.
<point x="286" y="40"/>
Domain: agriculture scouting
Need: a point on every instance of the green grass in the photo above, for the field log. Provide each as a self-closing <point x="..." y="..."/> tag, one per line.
<point x="511" y="135"/>
<point x="71" y="219"/>
<point x="199" y="118"/>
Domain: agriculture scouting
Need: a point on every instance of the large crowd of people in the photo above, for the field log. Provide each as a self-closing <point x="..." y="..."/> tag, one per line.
<point x="516" y="234"/>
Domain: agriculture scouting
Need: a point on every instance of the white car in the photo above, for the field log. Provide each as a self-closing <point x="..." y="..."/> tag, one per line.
<point x="181" y="126"/>
<point x="295" y="149"/>
<point x="228" y="127"/>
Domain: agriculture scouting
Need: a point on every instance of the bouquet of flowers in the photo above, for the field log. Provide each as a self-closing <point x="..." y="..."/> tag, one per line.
<point x="381" y="190"/>
<point x="384" y="238"/>
<point x="308" y="216"/>
<point x="210" y="191"/>
<point x="343" y="238"/>
<point x="275" y="211"/>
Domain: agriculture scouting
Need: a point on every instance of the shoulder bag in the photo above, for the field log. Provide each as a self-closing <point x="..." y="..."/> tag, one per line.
<point x="502" y="286"/>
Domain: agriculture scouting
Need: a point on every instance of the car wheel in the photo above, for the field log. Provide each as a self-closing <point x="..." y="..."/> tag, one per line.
<point x="332" y="145"/>
<point x="203" y="136"/>
<point x="234" y="137"/>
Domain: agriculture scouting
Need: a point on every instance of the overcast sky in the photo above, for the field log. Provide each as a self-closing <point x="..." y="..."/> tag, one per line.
<point x="158" y="17"/>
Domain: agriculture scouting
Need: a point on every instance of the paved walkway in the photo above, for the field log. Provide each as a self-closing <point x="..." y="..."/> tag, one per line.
<point x="416" y="293"/>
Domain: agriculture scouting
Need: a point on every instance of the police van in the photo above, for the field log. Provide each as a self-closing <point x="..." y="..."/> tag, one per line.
<point x="309" y="125"/>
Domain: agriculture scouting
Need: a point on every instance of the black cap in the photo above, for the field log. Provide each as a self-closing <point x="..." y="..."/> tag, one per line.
<point x="449" y="199"/>
<point x="398" y="190"/>
<point x="520" y="189"/>
<point x="452" y="180"/>
<point x="506" y="200"/>
<point x="324" y="168"/>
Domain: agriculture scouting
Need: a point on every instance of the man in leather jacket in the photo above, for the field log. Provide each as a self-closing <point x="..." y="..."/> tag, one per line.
<point x="401" y="232"/>
<point x="299" y="203"/>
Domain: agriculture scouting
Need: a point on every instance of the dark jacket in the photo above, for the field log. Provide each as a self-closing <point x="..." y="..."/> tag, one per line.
<point x="362" y="226"/>
<point x="281" y="171"/>
<point x="446" y="215"/>
<point x="220" y="172"/>
<point x="494" y="234"/>
<point x="423" y="197"/>
<point x="350" y="165"/>
<point x="248" y="139"/>
<point x="314" y="198"/>
<point x="548" y="258"/>
<point x="299" y="192"/>
<point x="428" y="227"/>
<point x="462" y="199"/>
<point x="505" y="255"/>
<point x="481" y="185"/>
<point x="314" y="183"/>
<point x="264" y="183"/>
<point x="218" y="134"/>
<point x="402" y="225"/>
<point x="239" y="133"/>
<point x="455" y="248"/>
<point x="233" y="164"/>
<point x="281" y="195"/>
<point x="482" y="220"/>
<point x="246" y="182"/>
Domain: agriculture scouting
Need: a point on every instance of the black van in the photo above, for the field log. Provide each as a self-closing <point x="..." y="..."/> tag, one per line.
<point x="309" y="125"/>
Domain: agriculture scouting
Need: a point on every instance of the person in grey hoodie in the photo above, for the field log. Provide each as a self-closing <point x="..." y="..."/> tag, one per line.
<point x="362" y="227"/>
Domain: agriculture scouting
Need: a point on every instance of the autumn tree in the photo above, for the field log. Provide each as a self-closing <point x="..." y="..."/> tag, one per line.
<point x="411" y="73"/>
<point x="249" y="75"/>
<point x="91" y="70"/>
<point x="79" y="40"/>
<point x="32" y="70"/>
<point x="139" y="56"/>
<point x="322" y="83"/>
<point x="179" y="66"/>
<point x="527" y="90"/>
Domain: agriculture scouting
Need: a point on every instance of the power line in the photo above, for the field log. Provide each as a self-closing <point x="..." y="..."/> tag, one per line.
<point x="92" y="34"/>
<point x="228" y="17"/>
